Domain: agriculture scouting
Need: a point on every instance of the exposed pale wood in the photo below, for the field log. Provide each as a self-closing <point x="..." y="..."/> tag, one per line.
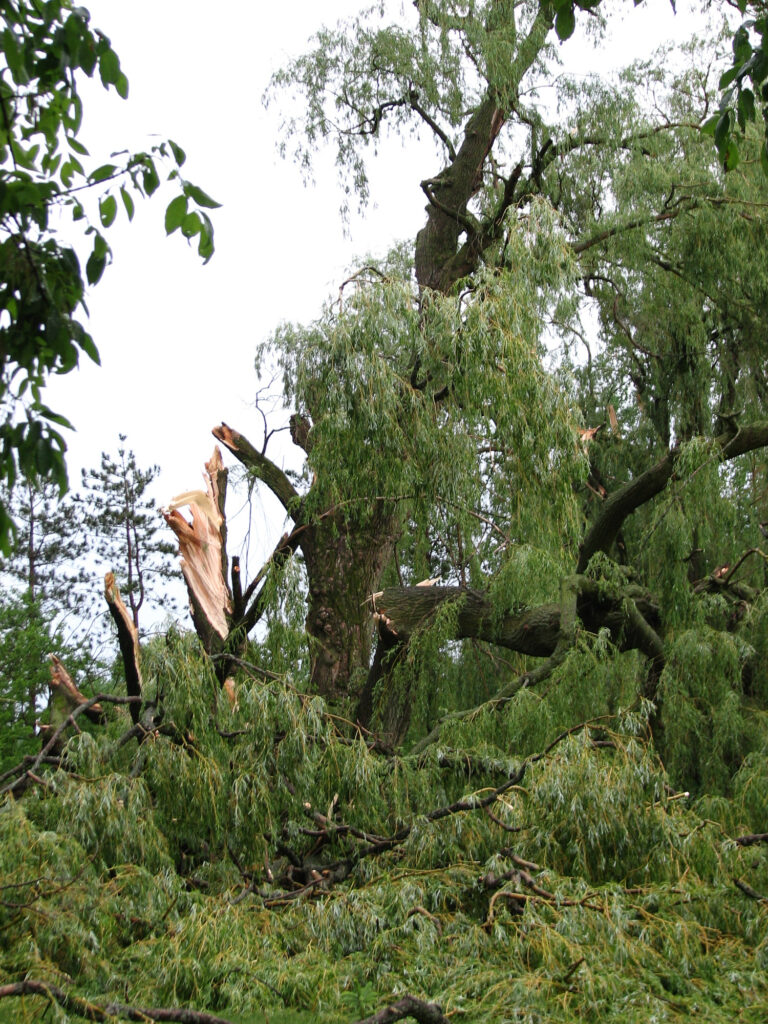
<point x="203" y="554"/>
<point x="63" y="685"/>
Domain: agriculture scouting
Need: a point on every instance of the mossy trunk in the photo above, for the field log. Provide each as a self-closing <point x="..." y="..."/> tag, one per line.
<point x="345" y="559"/>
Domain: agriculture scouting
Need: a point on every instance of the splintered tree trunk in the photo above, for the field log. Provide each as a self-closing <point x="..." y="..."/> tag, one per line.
<point x="203" y="550"/>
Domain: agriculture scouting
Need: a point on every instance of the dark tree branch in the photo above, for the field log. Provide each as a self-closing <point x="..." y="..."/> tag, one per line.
<point x="408" y="1006"/>
<point x="622" y="503"/>
<point x="262" y="467"/>
<point x="128" y="639"/>
<point x="91" y="1011"/>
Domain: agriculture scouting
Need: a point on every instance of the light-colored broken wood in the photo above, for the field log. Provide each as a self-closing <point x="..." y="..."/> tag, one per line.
<point x="203" y="552"/>
<point x="63" y="688"/>
<point x="230" y="692"/>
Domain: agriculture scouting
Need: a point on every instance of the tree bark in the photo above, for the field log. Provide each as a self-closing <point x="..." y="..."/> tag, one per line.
<point x="622" y="503"/>
<point x="344" y="555"/>
<point x="128" y="640"/>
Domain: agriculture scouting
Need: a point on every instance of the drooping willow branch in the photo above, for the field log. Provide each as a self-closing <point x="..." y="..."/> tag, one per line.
<point x="622" y="503"/>
<point x="53" y="740"/>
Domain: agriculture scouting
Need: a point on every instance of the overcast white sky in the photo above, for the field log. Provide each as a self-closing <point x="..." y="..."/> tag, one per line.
<point x="176" y="339"/>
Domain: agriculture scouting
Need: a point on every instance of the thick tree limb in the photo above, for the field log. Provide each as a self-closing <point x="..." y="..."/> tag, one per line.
<point x="534" y="631"/>
<point x="91" y="1011"/>
<point x="622" y="503"/>
<point x="128" y="639"/>
<point x="259" y="465"/>
<point x="453" y="188"/>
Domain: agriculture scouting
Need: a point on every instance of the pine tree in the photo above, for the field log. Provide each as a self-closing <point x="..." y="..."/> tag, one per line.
<point x="125" y="532"/>
<point x="48" y="546"/>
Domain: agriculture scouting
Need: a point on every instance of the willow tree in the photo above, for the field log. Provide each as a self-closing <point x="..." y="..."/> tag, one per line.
<point x="573" y="331"/>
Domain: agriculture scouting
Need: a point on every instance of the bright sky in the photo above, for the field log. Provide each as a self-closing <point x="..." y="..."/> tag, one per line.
<point x="177" y="340"/>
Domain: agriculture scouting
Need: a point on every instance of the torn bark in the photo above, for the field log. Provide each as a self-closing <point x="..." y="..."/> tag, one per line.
<point x="128" y="639"/>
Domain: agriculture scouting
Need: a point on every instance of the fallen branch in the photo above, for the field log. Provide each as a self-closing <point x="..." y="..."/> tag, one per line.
<point x="91" y="1011"/>
<point x="408" y="1006"/>
<point x="753" y="839"/>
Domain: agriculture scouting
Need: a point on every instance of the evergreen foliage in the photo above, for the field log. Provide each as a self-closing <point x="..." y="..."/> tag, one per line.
<point x="125" y="531"/>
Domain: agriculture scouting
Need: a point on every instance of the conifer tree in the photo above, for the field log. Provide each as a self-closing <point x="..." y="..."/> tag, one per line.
<point x="126" y="533"/>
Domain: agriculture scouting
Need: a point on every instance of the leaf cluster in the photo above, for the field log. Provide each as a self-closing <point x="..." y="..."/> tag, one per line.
<point x="45" y="49"/>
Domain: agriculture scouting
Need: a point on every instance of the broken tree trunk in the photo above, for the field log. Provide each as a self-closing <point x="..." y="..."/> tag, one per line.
<point x="203" y="550"/>
<point x="128" y="640"/>
<point x="344" y="554"/>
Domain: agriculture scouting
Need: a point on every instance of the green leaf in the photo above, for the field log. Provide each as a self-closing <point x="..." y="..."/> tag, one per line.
<point x="727" y="77"/>
<point x="191" y="225"/>
<point x="127" y="203"/>
<point x="565" y="23"/>
<point x="121" y="85"/>
<point x="746" y="108"/>
<point x="175" y="214"/>
<point x="54" y="417"/>
<point x="205" y="248"/>
<point x="97" y="261"/>
<point x="109" y="67"/>
<point x="103" y="172"/>
<point x="78" y="147"/>
<point x="178" y="153"/>
<point x="722" y="128"/>
<point x="87" y="345"/>
<point x="107" y="210"/>
<point x="150" y="179"/>
<point x="200" y="197"/>
<point x="731" y="159"/>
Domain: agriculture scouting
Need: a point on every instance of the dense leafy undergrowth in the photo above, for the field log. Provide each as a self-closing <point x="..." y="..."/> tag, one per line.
<point x="262" y="863"/>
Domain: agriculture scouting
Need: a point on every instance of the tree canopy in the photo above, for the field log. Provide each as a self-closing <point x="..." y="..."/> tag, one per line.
<point x="485" y="738"/>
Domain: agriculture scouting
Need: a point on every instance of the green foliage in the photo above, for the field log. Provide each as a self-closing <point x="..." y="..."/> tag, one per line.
<point x="123" y="880"/>
<point x="27" y="639"/>
<point x="25" y="643"/>
<point x="743" y="87"/>
<point x="45" y="49"/>
<point x="125" y="531"/>
<point x="589" y="848"/>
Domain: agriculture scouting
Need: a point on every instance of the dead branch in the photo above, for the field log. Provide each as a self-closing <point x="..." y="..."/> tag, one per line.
<point x="20" y="784"/>
<point x="753" y="839"/>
